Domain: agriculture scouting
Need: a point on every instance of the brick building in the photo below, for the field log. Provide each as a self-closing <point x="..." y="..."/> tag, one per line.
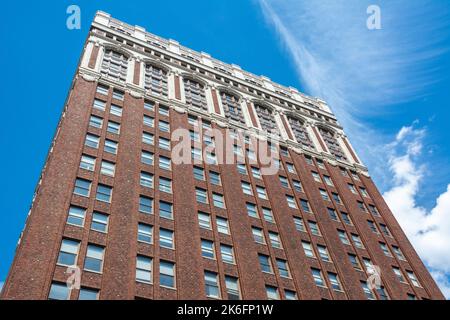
<point x="112" y="202"/>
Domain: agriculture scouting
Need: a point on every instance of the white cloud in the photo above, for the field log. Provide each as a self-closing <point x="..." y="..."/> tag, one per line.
<point x="428" y="230"/>
<point x="1" y="285"/>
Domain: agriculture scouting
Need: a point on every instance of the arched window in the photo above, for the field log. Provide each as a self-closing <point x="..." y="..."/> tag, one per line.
<point x="195" y="94"/>
<point x="115" y="65"/>
<point x="266" y="117"/>
<point x="155" y="80"/>
<point x="232" y="107"/>
<point x="300" y="133"/>
<point x="332" y="143"/>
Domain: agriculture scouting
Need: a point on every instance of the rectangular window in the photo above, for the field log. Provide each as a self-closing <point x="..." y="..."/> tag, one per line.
<point x="336" y="198"/>
<point x="258" y="235"/>
<point x="323" y="253"/>
<point x="284" y="182"/>
<point x="103" y="193"/>
<point x="307" y="248"/>
<point x="204" y="220"/>
<point x="252" y="211"/>
<point x="291" y="202"/>
<point x="82" y="187"/>
<point x="146" y="180"/>
<point x="398" y="253"/>
<point x="374" y="210"/>
<point x="145" y="205"/>
<point x="316" y="176"/>
<point x="334" y="281"/>
<point x="305" y="205"/>
<point x="399" y="274"/>
<point x="328" y="181"/>
<point x="165" y="210"/>
<point x="318" y="279"/>
<point x="346" y="218"/>
<point x="92" y="141"/>
<point x="166" y="238"/>
<point x="149" y="105"/>
<point x="201" y="195"/>
<point x="283" y="268"/>
<point x="267" y="214"/>
<point x="222" y="225"/>
<point x="96" y="122"/>
<point x="87" y="163"/>
<point x="211" y="158"/>
<point x="385" y="249"/>
<point x="290" y="168"/>
<point x="58" y="291"/>
<point x="116" y="110"/>
<point x="352" y="188"/>
<point x="357" y="241"/>
<point x="218" y="200"/>
<point x="214" y="178"/>
<point x="88" y="294"/>
<point x="297" y="185"/>
<point x="94" y="258"/>
<point x="246" y="188"/>
<point x="165" y="163"/>
<point x="118" y="95"/>
<point x="149" y="121"/>
<point x="148" y="138"/>
<point x="76" y="216"/>
<point x="99" y="222"/>
<point x="144" y="269"/>
<point x="164" y="143"/>
<point x="208" y="250"/>
<point x="111" y="146"/>
<point x="256" y="173"/>
<point x="314" y="228"/>
<point x="364" y="192"/>
<point x="113" y="127"/>
<point x="290" y="295"/>
<point x="354" y="261"/>
<point x="212" y="285"/>
<point x="100" y="105"/>
<point x="196" y="154"/>
<point x="343" y="237"/>
<point x="145" y="233"/>
<point x="165" y="185"/>
<point x="333" y="215"/>
<point x="232" y="286"/>
<point x="362" y="206"/>
<point x="164" y="111"/>
<point x="163" y="126"/>
<point x="108" y="168"/>
<point x="242" y="169"/>
<point x="367" y="291"/>
<point x="265" y="264"/>
<point x="272" y="293"/>
<point x="412" y="277"/>
<point x="373" y="226"/>
<point x="167" y="274"/>
<point x="299" y="225"/>
<point x="275" y="240"/>
<point x="68" y="253"/>
<point x="147" y="158"/>
<point x="199" y="173"/>
<point x="261" y="191"/>
<point x="227" y="253"/>
<point x="324" y="194"/>
<point x="385" y="230"/>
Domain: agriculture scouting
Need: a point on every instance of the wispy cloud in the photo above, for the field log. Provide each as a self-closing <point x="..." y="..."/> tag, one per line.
<point x="365" y="73"/>
<point x="428" y="230"/>
<point x="362" y="72"/>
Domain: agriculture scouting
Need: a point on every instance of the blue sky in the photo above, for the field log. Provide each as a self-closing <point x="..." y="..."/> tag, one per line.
<point x="389" y="88"/>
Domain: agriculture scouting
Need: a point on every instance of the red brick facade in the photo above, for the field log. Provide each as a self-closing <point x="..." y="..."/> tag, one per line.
<point x="35" y="267"/>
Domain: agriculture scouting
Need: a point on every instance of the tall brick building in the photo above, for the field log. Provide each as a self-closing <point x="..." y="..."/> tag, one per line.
<point x="138" y="226"/>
